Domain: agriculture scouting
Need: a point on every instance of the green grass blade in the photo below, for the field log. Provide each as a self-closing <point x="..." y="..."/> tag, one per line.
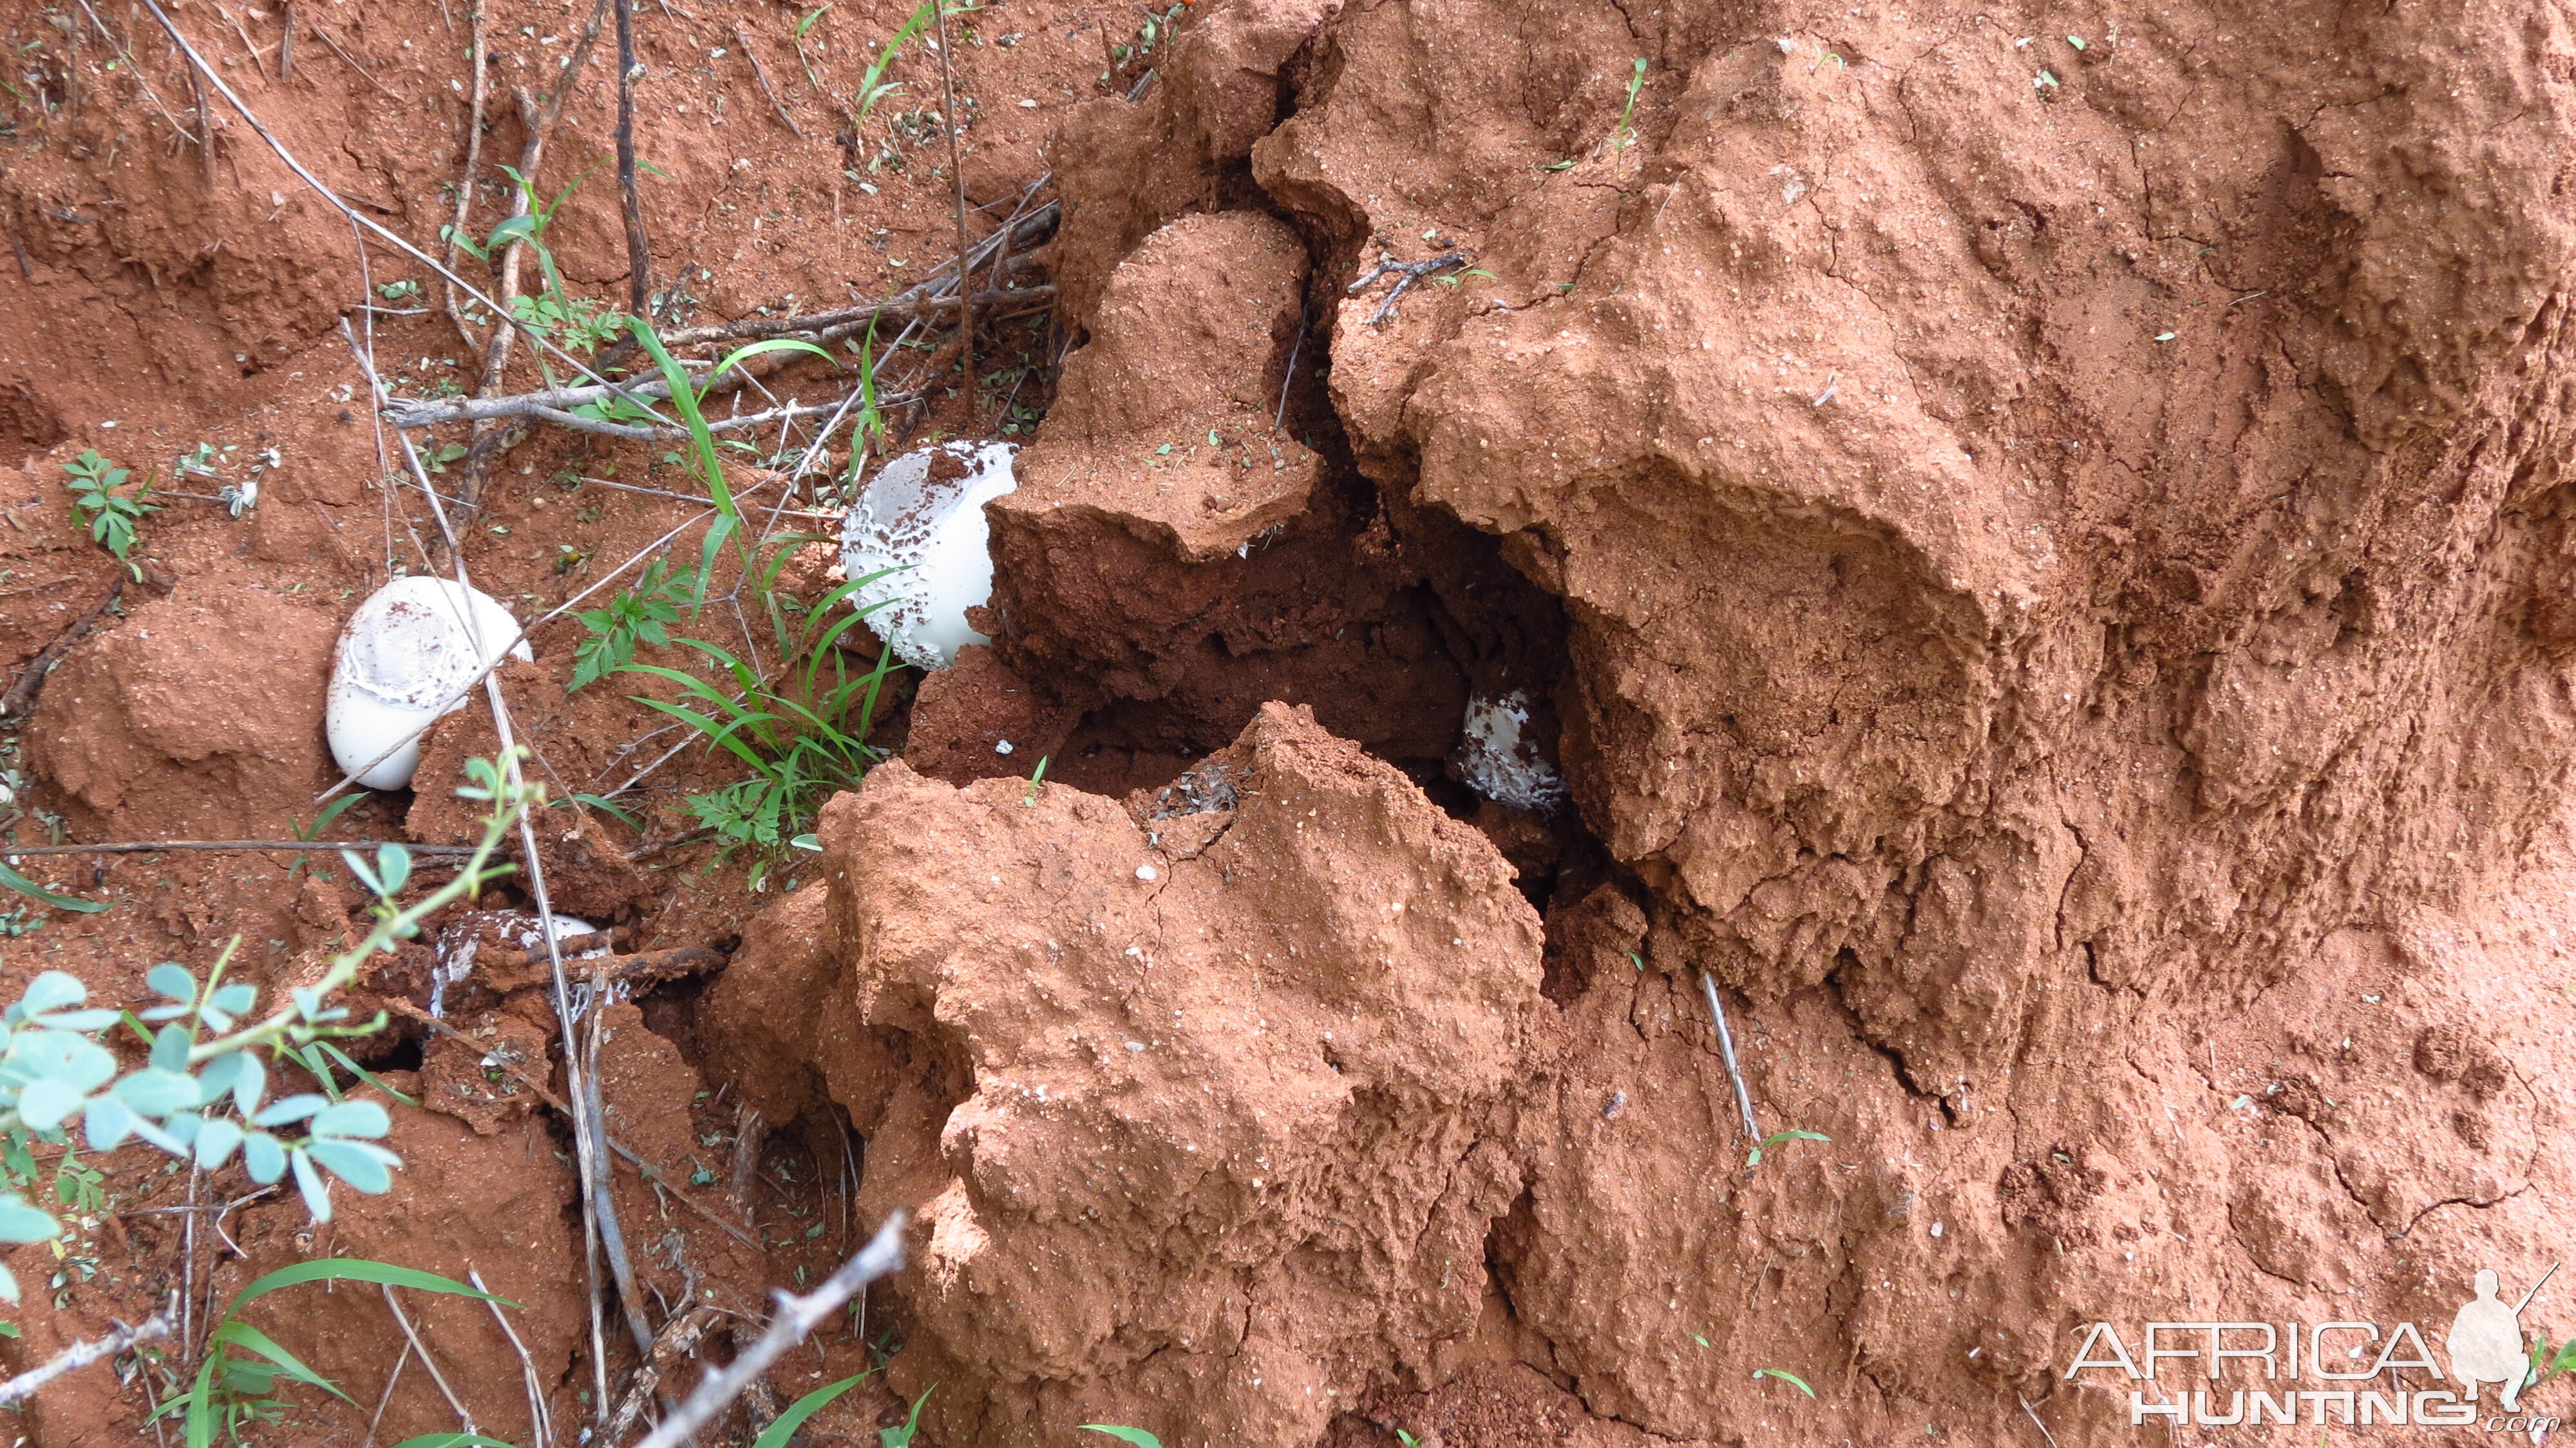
<point x="25" y="886"/>
<point x="1792" y="1379"/>
<point x="1137" y="1436"/>
<point x="784" y="1428"/>
<point x="360" y="1269"/>
<point x="245" y="1335"/>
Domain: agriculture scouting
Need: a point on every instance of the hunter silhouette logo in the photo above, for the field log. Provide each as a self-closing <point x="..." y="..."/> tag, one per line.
<point x="2384" y="1386"/>
<point x="2486" y="1341"/>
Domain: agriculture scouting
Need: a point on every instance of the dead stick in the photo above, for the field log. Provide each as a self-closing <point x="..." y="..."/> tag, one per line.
<point x="639" y="256"/>
<point x="797" y="1316"/>
<point x="326" y="39"/>
<point x="481" y="63"/>
<point x="22" y="694"/>
<point x="1726" y="1048"/>
<point x="957" y="173"/>
<point x="644" y="1169"/>
<point x="286" y="45"/>
<point x="82" y="1354"/>
<point x="762" y="76"/>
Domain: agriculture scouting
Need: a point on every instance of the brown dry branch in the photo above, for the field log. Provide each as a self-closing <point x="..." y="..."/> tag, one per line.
<point x="644" y="1170"/>
<point x="539" y="123"/>
<point x="82" y="1354"/>
<point x="957" y="175"/>
<point x="797" y="1317"/>
<point x="369" y="76"/>
<point x="361" y="223"/>
<point x="639" y="255"/>
<point x="1406" y="273"/>
<point x="762" y="75"/>
<point x="22" y="694"/>
<point x="480" y="63"/>
<point x="151" y="97"/>
<point x="940" y="285"/>
<point x="555" y="404"/>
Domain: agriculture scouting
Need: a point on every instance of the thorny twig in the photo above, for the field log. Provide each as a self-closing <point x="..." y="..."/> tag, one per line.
<point x="82" y="1354"/>
<point x="797" y="1317"/>
<point x="1406" y="274"/>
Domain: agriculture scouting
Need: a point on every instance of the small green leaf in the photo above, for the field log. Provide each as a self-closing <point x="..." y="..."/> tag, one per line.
<point x="1137" y="1436"/>
<point x="172" y="979"/>
<point x="20" y="1222"/>
<point x="785" y="1425"/>
<point x="1792" y="1379"/>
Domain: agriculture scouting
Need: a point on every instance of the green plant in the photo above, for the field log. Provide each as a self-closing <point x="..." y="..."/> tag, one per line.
<point x="901" y="1437"/>
<point x="232" y="1390"/>
<point x="201" y="1095"/>
<point x="24" y="886"/>
<point x="704" y="458"/>
<point x="640" y="615"/>
<point x="1792" y="1379"/>
<point x="112" y="510"/>
<point x="2547" y="1362"/>
<point x="555" y="314"/>
<point x="1754" y="1158"/>
<point x="798" y="741"/>
<point x="1139" y="1436"/>
<point x="784" y="1426"/>
<point x="1626" y="135"/>
<point x="873" y="86"/>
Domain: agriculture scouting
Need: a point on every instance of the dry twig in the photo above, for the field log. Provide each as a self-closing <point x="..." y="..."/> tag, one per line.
<point x="82" y="1354"/>
<point x="1726" y="1048"/>
<point x="957" y="174"/>
<point x="797" y="1317"/>
<point x="1406" y="274"/>
<point x="639" y="256"/>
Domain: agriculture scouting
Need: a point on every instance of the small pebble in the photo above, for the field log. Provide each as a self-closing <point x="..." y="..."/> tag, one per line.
<point x="1002" y="748"/>
<point x="1144" y="872"/>
<point x="1618" y="1101"/>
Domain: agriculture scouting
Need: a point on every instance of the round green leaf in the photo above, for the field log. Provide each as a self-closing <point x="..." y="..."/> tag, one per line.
<point x="20" y="1222"/>
<point x="351" y="1163"/>
<point x="262" y="1157"/>
<point x="353" y="1118"/>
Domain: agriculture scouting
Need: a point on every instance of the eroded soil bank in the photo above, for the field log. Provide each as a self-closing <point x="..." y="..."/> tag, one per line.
<point x="2035" y="540"/>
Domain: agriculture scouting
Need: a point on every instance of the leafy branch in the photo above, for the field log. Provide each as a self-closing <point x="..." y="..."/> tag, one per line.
<point x="202" y="1094"/>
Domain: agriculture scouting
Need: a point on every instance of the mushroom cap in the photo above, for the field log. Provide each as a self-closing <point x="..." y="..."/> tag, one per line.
<point x="932" y="532"/>
<point x="414" y="645"/>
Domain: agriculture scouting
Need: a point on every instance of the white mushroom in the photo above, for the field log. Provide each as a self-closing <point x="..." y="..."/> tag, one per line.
<point x="415" y="645"/>
<point x="932" y="532"/>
